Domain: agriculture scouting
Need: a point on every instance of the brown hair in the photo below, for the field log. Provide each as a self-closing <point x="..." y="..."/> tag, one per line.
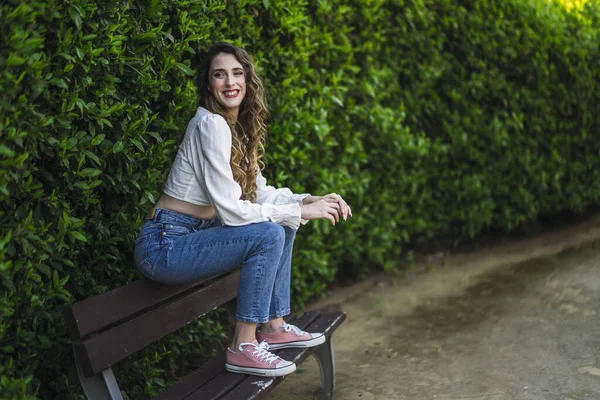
<point x="249" y="131"/>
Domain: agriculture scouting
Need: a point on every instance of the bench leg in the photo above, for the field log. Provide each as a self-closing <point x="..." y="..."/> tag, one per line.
<point x="324" y="356"/>
<point x="99" y="387"/>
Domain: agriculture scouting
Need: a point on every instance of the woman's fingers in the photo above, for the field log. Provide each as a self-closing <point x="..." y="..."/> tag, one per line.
<point x="343" y="205"/>
<point x="333" y="210"/>
<point x="332" y="219"/>
<point x="344" y="208"/>
<point x="331" y="215"/>
<point x="331" y="207"/>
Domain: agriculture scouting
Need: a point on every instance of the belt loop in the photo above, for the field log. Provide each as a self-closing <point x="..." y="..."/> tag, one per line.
<point x="156" y="213"/>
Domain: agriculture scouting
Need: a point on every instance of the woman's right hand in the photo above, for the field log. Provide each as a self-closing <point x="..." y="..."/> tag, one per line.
<point x="321" y="209"/>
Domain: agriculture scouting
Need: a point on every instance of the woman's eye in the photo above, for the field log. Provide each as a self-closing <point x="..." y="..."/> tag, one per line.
<point x="238" y="73"/>
<point x="219" y="75"/>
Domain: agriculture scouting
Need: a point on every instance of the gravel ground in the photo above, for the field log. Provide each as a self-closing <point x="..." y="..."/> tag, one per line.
<point x="512" y="321"/>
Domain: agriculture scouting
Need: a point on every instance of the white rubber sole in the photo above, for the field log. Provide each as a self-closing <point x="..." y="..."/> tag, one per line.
<point x="261" y="371"/>
<point x="299" y="344"/>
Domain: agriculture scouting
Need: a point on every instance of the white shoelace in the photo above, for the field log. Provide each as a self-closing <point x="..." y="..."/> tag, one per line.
<point x="293" y="328"/>
<point x="261" y="352"/>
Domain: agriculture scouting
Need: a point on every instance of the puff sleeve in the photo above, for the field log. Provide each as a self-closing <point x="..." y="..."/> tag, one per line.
<point x="209" y="147"/>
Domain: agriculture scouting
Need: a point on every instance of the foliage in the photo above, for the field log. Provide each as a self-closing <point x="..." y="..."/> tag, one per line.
<point x="436" y="119"/>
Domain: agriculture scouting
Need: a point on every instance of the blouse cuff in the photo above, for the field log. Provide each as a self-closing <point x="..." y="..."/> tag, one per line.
<point x="286" y="214"/>
<point x="298" y="198"/>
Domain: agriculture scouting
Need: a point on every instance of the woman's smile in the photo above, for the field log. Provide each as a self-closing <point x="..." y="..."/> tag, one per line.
<point x="231" y="94"/>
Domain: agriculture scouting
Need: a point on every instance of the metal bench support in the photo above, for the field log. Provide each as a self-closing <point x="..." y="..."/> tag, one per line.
<point x="324" y="356"/>
<point x="99" y="387"/>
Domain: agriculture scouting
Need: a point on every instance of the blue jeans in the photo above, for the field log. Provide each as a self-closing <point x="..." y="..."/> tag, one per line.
<point x="174" y="248"/>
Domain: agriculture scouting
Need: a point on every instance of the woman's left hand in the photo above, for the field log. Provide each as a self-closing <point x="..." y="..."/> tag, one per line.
<point x="345" y="209"/>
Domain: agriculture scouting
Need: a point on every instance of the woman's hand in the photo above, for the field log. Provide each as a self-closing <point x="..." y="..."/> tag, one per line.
<point x="321" y="209"/>
<point x="344" y="209"/>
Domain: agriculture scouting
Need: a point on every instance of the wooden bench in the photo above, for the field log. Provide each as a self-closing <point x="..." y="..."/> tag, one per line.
<point x="111" y="327"/>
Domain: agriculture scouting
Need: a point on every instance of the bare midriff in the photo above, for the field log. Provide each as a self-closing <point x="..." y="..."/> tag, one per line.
<point x="170" y="203"/>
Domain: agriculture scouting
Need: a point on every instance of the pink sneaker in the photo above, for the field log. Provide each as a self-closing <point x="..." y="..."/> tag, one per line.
<point x="256" y="359"/>
<point x="291" y="336"/>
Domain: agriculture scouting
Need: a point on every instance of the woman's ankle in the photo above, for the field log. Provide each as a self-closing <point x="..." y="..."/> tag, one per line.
<point x="272" y="326"/>
<point x="244" y="333"/>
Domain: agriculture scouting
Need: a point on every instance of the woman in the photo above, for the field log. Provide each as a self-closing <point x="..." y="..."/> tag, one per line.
<point x="217" y="213"/>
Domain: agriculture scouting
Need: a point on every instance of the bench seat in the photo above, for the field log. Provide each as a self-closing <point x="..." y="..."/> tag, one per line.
<point x="108" y="328"/>
<point x="212" y="381"/>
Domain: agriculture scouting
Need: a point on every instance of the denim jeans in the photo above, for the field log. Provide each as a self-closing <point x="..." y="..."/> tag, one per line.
<point x="174" y="248"/>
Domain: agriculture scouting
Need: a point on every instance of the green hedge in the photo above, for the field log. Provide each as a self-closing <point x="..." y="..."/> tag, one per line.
<point x="437" y="119"/>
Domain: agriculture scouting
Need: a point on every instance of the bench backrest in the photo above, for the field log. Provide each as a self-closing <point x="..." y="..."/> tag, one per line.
<point x="111" y="327"/>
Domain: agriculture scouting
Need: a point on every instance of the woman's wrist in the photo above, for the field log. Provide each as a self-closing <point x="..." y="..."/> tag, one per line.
<point x="310" y="199"/>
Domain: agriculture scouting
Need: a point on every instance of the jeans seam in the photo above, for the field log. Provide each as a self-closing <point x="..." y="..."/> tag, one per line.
<point x="260" y="273"/>
<point x="279" y="314"/>
<point x="217" y="243"/>
<point x="251" y="320"/>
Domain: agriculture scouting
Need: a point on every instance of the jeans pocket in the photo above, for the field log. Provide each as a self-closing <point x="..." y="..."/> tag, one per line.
<point x="143" y="238"/>
<point x="146" y="269"/>
<point x="168" y="232"/>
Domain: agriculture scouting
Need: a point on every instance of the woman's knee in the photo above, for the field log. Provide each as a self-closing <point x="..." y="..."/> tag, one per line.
<point x="272" y="231"/>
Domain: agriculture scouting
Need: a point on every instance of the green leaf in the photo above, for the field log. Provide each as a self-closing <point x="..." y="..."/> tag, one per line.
<point x="78" y="235"/>
<point x="137" y="144"/>
<point x="98" y="139"/>
<point x="7" y="281"/>
<point x="90" y="172"/>
<point x="150" y="196"/>
<point x="118" y="147"/>
<point x="186" y="70"/>
<point x="155" y="135"/>
<point x="55" y="279"/>
<point x="95" y="183"/>
<point x="67" y="57"/>
<point x="81" y="185"/>
<point x="94" y="157"/>
<point x="337" y="101"/>
<point x="145" y="37"/>
<point x="13" y="60"/>
<point x="5" y="151"/>
<point x="59" y="82"/>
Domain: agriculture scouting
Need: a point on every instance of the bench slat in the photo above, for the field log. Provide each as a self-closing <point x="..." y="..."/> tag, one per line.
<point x="210" y="370"/>
<point x="258" y="387"/>
<point x="226" y="381"/>
<point x="109" y="347"/>
<point x="197" y="378"/>
<point x="94" y="314"/>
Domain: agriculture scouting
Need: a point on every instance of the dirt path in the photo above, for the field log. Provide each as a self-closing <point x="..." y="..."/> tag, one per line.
<point x="515" y="321"/>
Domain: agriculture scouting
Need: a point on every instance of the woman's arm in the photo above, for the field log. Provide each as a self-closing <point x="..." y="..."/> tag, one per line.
<point x="270" y="195"/>
<point x="210" y="151"/>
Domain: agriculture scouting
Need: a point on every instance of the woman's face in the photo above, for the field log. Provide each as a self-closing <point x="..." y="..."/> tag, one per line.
<point x="227" y="81"/>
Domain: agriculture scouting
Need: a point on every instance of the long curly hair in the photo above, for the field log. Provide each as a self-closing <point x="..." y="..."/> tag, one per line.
<point x="249" y="131"/>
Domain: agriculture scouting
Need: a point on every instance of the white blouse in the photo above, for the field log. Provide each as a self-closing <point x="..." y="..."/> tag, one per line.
<point x="201" y="174"/>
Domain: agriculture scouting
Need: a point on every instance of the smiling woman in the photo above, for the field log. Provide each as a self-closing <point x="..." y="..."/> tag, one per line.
<point x="228" y="83"/>
<point x="217" y="213"/>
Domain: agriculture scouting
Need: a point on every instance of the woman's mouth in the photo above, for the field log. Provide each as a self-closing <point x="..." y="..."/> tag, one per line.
<point x="230" y="94"/>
